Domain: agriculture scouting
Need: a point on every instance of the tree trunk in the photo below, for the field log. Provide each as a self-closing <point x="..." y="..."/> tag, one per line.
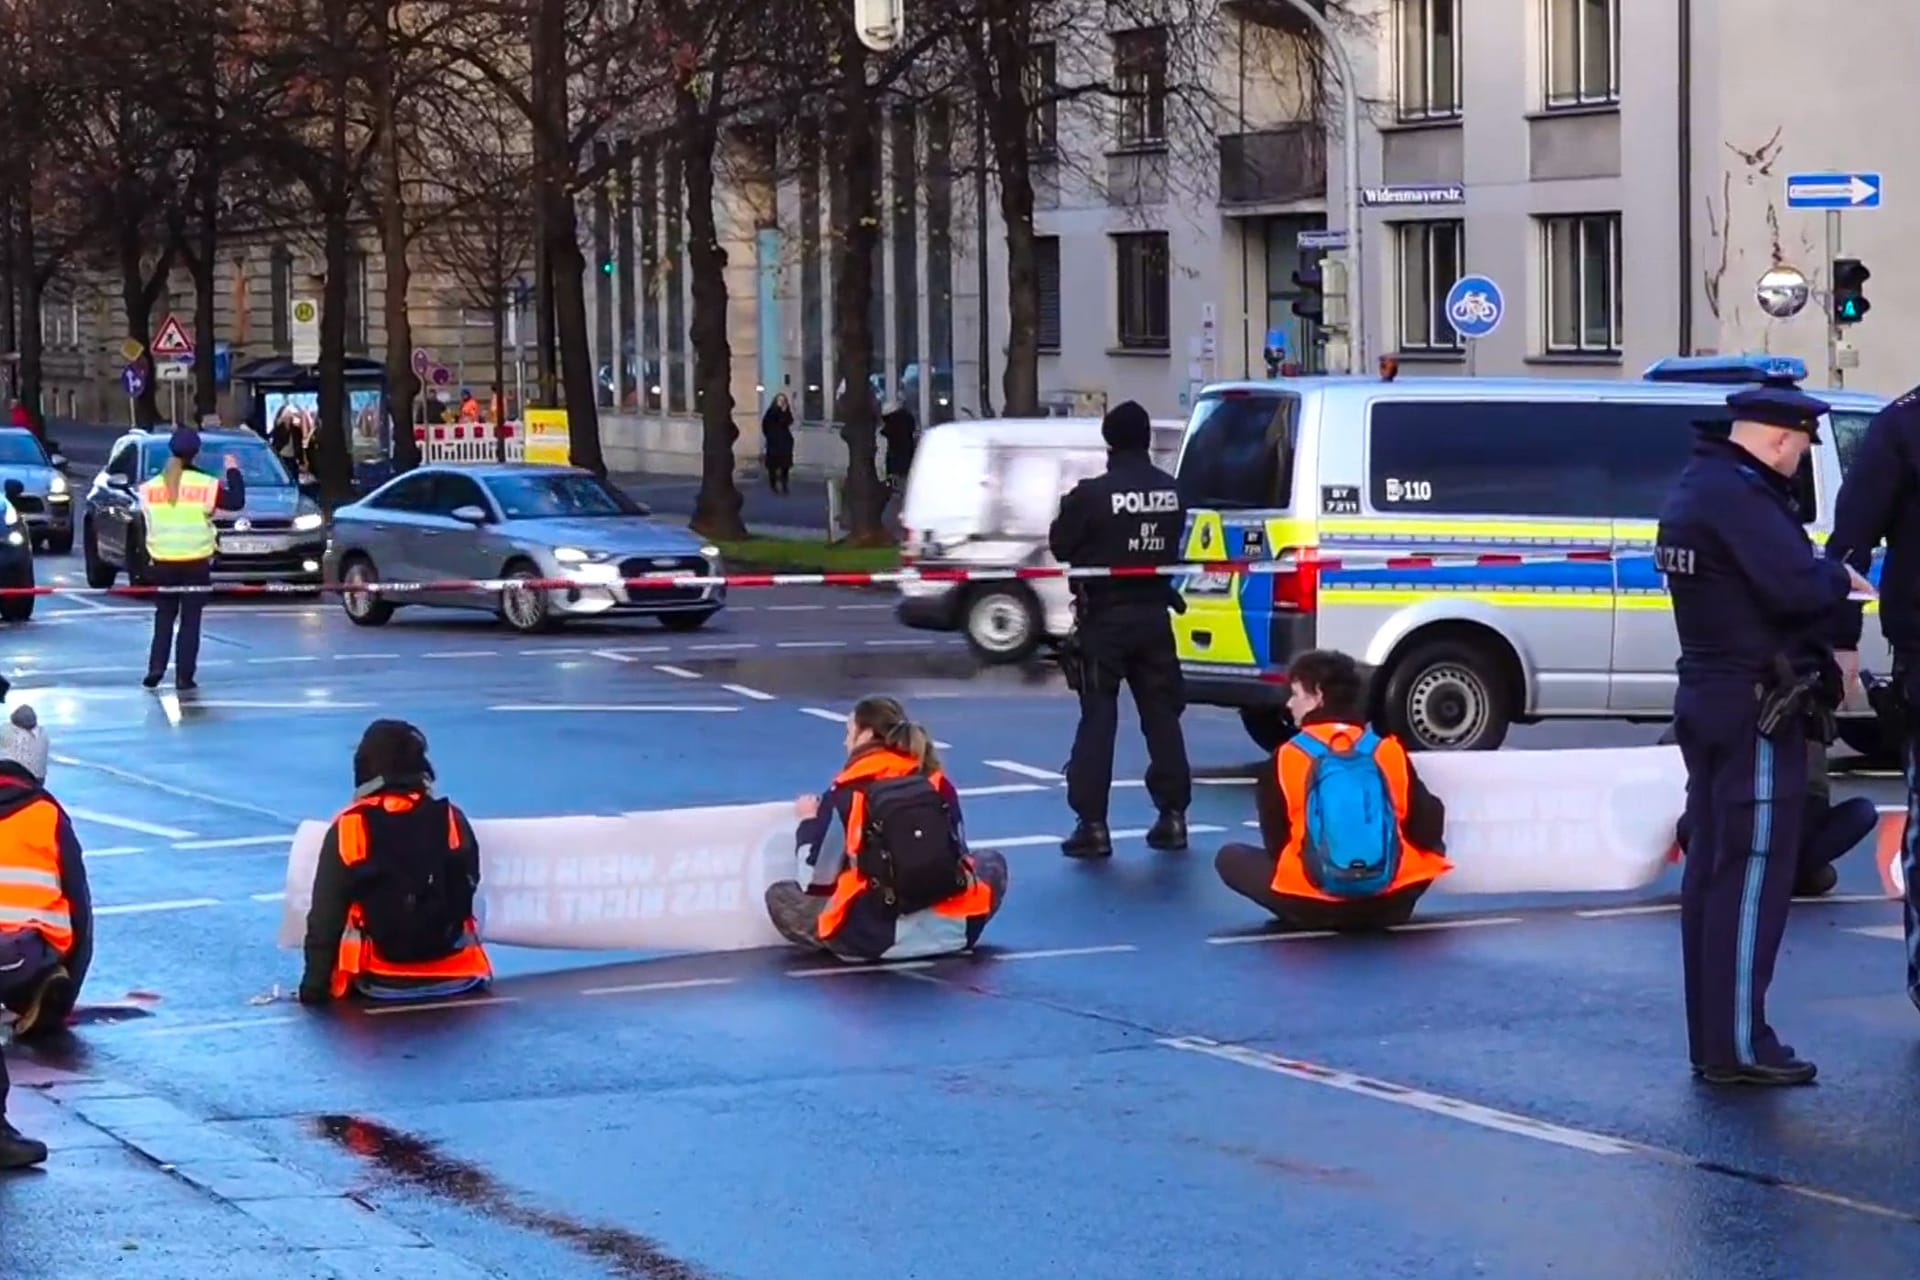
<point x="1008" y="119"/>
<point x="333" y="458"/>
<point x="856" y="169"/>
<point x="206" y="261"/>
<point x="26" y="262"/>
<point x="570" y="327"/>
<point x="8" y="331"/>
<point x="549" y="135"/>
<point x="402" y="384"/>
<point x="716" y="511"/>
<point x="136" y="302"/>
<point x="498" y="314"/>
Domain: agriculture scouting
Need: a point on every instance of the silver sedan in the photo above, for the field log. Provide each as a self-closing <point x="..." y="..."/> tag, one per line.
<point x="451" y="524"/>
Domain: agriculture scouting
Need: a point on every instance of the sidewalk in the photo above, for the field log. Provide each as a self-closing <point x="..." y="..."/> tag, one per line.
<point x="136" y="1189"/>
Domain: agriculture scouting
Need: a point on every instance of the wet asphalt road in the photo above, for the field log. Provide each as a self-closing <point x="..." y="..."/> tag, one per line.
<point x="1132" y="1081"/>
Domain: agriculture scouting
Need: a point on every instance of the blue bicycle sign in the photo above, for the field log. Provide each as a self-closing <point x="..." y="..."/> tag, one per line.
<point x="1474" y="306"/>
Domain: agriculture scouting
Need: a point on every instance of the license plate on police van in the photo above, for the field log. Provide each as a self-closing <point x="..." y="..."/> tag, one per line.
<point x="246" y="546"/>
<point x="1209" y="584"/>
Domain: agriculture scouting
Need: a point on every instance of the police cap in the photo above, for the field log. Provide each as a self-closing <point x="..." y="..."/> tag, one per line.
<point x="1778" y="405"/>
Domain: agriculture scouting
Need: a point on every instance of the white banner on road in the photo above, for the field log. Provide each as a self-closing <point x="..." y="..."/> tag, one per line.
<point x="665" y="880"/>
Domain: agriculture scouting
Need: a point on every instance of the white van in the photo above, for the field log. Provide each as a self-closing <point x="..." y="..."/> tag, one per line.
<point x="981" y="495"/>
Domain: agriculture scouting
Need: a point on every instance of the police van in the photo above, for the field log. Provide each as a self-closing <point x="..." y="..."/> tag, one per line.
<point x="1305" y="471"/>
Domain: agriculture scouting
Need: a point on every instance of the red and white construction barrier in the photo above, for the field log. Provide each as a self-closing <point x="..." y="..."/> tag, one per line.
<point x="470" y="442"/>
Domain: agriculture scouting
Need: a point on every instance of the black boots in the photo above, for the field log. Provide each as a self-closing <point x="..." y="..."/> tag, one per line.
<point x="1095" y="839"/>
<point x="1817" y="882"/>
<point x="46" y="1012"/>
<point x="17" y="1152"/>
<point x="1791" y="1072"/>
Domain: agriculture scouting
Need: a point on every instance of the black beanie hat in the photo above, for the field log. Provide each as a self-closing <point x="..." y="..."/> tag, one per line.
<point x="1127" y="428"/>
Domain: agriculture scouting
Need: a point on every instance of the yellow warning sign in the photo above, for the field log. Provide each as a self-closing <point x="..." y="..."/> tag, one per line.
<point x="547" y="439"/>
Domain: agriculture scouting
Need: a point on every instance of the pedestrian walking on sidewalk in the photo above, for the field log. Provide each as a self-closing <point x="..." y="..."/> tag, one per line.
<point x="776" y="435"/>
<point x="177" y="509"/>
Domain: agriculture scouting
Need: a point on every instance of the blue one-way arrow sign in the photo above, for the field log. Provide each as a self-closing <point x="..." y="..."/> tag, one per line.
<point x="1833" y="191"/>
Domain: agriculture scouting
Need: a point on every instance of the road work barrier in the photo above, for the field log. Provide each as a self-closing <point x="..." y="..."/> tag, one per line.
<point x="1518" y="822"/>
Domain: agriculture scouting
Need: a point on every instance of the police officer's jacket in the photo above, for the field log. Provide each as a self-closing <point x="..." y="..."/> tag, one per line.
<point x="1129" y="516"/>
<point x="1746" y="582"/>
<point x="1878" y="503"/>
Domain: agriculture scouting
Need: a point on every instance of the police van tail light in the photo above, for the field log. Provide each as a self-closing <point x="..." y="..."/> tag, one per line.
<point x="1296" y="584"/>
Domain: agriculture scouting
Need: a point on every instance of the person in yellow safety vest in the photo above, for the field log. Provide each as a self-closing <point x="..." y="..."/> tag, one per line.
<point x="1353" y="837"/>
<point x="176" y="508"/>
<point x="46" y="909"/>
<point x="393" y="894"/>
<point x="891" y="876"/>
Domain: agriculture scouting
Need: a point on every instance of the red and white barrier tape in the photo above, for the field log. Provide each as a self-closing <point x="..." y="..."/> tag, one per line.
<point x="1025" y="573"/>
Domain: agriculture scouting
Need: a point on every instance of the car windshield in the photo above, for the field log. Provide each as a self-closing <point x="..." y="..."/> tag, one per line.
<point x="538" y="497"/>
<point x="19" y="449"/>
<point x="257" y="464"/>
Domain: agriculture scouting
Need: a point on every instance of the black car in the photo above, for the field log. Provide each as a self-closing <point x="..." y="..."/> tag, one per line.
<point x="16" y="557"/>
<point x="280" y="536"/>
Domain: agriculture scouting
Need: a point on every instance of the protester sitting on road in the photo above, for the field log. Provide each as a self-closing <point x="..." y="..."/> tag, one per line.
<point x="1353" y="837"/>
<point x="393" y="894"/>
<point x="892" y="877"/>
<point x="1827" y="830"/>
<point x="46" y="908"/>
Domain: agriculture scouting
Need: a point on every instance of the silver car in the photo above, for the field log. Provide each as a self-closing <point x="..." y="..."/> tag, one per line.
<point x="448" y="524"/>
<point x="45" y="502"/>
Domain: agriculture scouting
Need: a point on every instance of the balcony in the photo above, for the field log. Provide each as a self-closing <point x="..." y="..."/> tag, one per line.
<point x="1274" y="166"/>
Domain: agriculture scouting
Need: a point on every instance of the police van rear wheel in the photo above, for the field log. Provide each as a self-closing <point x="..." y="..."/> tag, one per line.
<point x="1448" y="696"/>
<point x="1269" y="727"/>
<point x="1002" y="624"/>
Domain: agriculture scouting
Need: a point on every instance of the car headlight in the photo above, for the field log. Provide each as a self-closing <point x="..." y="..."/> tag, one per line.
<point x="12" y="516"/>
<point x="574" y="555"/>
<point x="308" y="521"/>
<point x="58" y="486"/>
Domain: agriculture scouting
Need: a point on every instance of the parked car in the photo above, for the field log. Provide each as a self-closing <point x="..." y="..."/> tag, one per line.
<point x="279" y="536"/>
<point x="16" y="555"/>
<point x="443" y="524"/>
<point x="44" y="503"/>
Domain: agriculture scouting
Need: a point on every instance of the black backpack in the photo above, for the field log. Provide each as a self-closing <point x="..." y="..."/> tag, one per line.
<point x="908" y="848"/>
<point x="418" y="896"/>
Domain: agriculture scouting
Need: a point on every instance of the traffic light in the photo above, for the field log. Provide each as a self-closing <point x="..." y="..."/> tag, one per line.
<point x="1850" y="305"/>
<point x="606" y="266"/>
<point x="1311" y="304"/>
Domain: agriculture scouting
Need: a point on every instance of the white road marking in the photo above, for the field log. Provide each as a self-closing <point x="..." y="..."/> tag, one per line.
<point x="614" y="655"/>
<point x="1062" y="953"/>
<point x="1002" y="789"/>
<point x="580" y="708"/>
<point x="898" y="644"/>
<point x="129" y="824"/>
<point x="746" y="692"/>
<point x="235" y="842"/>
<point x="463" y="653"/>
<point x="99" y="606"/>
<point x="270" y="897"/>
<point x="1610" y="913"/>
<point x="1438" y="926"/>
<point x="837" y="971"/>
<point x="1891" y="932"/>
<point x="821" y="713"/>
<point x="1015" y="842"/>
<point x="721" y="648"/>
<point x="1404" y="1096"/>
<point x="1242" y="940"/>
<point x="552" y="652"/>
<point x="1024" y="770"/>
<point x="272" y="662"/>
<point x="236" y="1024"/>
<point x="811" y="644"/>
<point x="795" y="608"/>
<point x="1196" y="829"/>
<point x="681" y="672"/>
<point x="1848" y="899"/>
<point x="462" y="1002"/>
<point x="366" y="657"/>
<point x="116" y="851"/>
<point x="638" y="987"/>
<point x="310" y="704"/>
<point x="1225" y="782"/>
<point x="144" y="908"/>
<point x="185" y="793"/>
<point x="861" y="608"/>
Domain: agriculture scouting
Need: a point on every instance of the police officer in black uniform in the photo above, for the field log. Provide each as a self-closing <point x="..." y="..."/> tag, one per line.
<point x="1756" y="608"/>
<point x="1880" y="502"/>
<point x="1131" y="516"/>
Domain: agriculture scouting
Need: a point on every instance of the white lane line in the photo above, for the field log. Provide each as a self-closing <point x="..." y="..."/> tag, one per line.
<point x="184" y="793"/>
<point x="610" y="651"/>
<point x="273" y="662"/>
<point x="581" y="708"/>
<point x="614" y="655"/>
<point x="1196" y="829"/>
<point x="637" y="988"/>
<point x="236" y="1024"/>
<point x="1224" y="782"/>
<point x="555" y="652"/>
<point x="1015" y="842"/>
<point x="838" y="971"/>
<point x="1302" y="935"/>
<point x="270" y="897"/>
<point x="311" y="704"/>
<point x="143" y="908"/>
<point x="366" y="657"/>
<point x="463" y="1002"/>
<point x="861" y="608"/>
<point x="821" y="713"/>
<point x="1002" y="789"/>
<point x="1438" y="926"/>
<point x="237" y="842"/>
<point x="129" y="824"/>
<point x="795" y="608"/>
<point x="1848" y="899"/>
<point x="116" y="851"/>
<point x="1242" y="940"/>
<point x="1024" y="770"/>
<point x="1405" y="1096"/>
<point x="897" y="644"/>
<point x="1062" y="953"/>
<point x="720" y="648"/>
<point x="1612" y="913"/>
<point x="681" y="672"/>
<point x="746" y="692"/>
<point x="462" y="653"/>
<point x="811" y="644"/>
<point x="1252" y="822"/>
<point x="1892" y="932"/>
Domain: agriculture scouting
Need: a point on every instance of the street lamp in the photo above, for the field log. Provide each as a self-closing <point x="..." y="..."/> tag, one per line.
<point x="879" y="23"/>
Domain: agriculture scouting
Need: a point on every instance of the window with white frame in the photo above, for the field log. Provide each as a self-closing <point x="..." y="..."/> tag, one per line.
<point x="1140" y="81"/>
<point x="1429" y="59"/>
<point x="1431" y="254"/>
<point x="1583" y="52"/>
<point x="1581" y="256"/>
<point x="1141" y="262"/>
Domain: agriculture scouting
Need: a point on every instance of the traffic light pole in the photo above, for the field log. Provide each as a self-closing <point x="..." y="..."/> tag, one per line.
<point x="1836" y="377"/>
<point x="1350" y="159"/>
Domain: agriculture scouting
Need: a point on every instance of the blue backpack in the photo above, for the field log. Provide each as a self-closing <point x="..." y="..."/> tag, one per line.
<point x="1351" y="846"/>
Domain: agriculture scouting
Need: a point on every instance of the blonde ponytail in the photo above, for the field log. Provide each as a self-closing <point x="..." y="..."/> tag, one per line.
<point x="176" y="467"/>
<point x="887" y="721"/>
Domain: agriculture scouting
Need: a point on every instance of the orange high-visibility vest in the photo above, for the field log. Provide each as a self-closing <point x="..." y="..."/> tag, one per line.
<point x="358" y="956"/>
<point x="30" y="894"/>
<point x="974" y="900"/>
<point x="1294" y="767"/>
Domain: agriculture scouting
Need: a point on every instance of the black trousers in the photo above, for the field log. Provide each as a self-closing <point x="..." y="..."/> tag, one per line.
<point x="1906" y="677"/>
<point x="183" y="609"/>
<point x="1248" y="871"/>
<point x="779" y="472"/>
<point x="1131" y="645"/>
<point x="1746" y="797"/>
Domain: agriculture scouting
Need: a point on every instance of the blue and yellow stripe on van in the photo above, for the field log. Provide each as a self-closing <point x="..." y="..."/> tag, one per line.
<point x="1572" y="584"/>
<point x="1640" y="584"/>
<point x="1229" y="617"/>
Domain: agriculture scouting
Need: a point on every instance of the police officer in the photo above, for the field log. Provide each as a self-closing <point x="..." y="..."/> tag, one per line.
<point x="1880" y="502"/>
<point x="1755" y="606"/>
<point x="176" y="509"/>
<point x="1130" y="516"/>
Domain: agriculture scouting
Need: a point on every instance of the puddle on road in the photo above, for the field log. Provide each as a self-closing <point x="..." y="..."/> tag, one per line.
<point x="418" y="1163"/>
